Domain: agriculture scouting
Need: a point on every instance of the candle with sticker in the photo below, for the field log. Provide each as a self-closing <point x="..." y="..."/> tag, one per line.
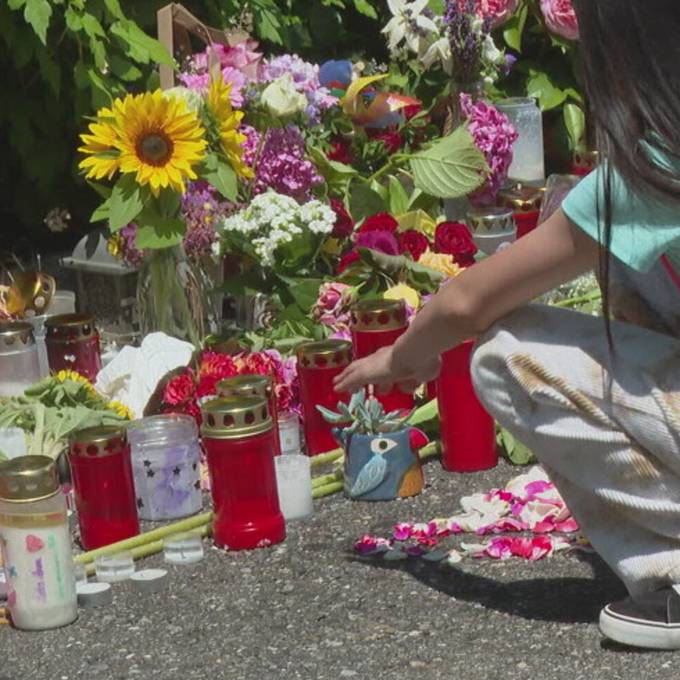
<point x="103" y="486"/>
<point x="254" y="386"/>
<point x="72" y="343"/>
<point x="36" y="545"/>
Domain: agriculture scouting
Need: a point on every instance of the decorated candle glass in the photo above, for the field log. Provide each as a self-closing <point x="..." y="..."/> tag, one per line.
<point x="491" y="228"/>
<point x="525" y="202"/>
<point x="36" y="545"/>
<point x="254" y="385"/>
<point x="73" y="344"/>
<point x="238" y="436"/>
<point x="468" y="432"/>
<point x="376" y="324"/>
<point x="289" y="432"/>
<point x="19" y="364"/>
<point x="318" y="364"/>
<point x="103" y="486"/>
<point x="166" y="466"/>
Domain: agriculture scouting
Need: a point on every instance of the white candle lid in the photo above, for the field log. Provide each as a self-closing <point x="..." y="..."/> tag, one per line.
<point x="94" y="594"/>
<point x="149" y="580"/>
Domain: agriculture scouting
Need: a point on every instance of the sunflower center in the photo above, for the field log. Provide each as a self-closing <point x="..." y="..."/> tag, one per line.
<point x="155" y="148"/>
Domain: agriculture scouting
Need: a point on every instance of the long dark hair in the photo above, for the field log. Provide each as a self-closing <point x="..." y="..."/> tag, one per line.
<point x="630" y="54"/>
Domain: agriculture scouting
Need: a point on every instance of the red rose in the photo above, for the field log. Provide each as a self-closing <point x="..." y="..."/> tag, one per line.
<point x="180" y="390"/>
<point x="347" y="261"/>
<point x="453" y="238"/>
<point x="341" y="152"/>
<point x="380" y="222"/>
<point x="344" y="224"/>
<point x="412" y="110"/>
<point x="390" y="138"/>
<point x="413" y="242"/>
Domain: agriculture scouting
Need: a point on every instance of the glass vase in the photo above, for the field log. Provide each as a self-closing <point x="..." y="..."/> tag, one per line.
<point x="170" y="297"/>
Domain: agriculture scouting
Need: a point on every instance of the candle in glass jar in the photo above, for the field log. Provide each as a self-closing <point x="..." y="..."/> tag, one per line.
<point x="238" y="436"/>
<point x="318" y="365"/>
<point x="72" y="343"/>
<point x="36" y="545"/>
<point x="376" y="324"/>
<point x="254" y="385"/>
<point x="525" y="202"/>
<point x="103" y="486"/>
<point x="289" y="432"/>
<point x="19" y="363"/>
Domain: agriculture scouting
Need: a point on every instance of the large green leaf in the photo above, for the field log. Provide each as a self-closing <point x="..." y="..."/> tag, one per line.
<point x="303" y="292"/>
<point x="399" y="200"/>
<point x="38" y="14"/>
<point x="220" y="175"/>
<point x="575" y="122"/>
<point x="514" y="28"/>
<point x="125" y="203"/>
<point x="366" y="8"/>
<point x="365" y="202"/>
<point x="141" y="47"/>
<point x="452" y="167"/>
<point x="155" y="232"/>
<point x="401" y="268"/>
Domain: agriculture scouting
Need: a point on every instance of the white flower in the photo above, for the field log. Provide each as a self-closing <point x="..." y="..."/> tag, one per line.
<point x="408" y="23"/>
<point x="282" y="98"/>
<point x="490" y="53"/>
<point x="438" y="52"/>
<point x="191" y="98"/>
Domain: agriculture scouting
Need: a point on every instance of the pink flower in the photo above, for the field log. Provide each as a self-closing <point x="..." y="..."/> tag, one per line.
<point x="401" y="532"/>
<point x="496" y="11"/>
<point x="382" y="241"/>
<point x="369" y="545"/>
<point x="560" y="18"/>
<point x="332" y="306"/>
<point x="180" y="390"/>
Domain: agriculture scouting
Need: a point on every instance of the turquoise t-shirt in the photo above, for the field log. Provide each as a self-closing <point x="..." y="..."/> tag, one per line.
<point x="643" y="229"/>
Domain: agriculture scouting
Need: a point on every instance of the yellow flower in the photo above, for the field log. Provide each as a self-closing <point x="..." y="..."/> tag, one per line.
<point x="153" y="136"/>
<point x="418" y="220"/>
<point x="72" y="376"/>
<point x="120" y="409"/>
<point x="403" y="292"/>
<point x="228" y="122"/>
<point x="114" y="244"/>
<point x="441" y="263"/>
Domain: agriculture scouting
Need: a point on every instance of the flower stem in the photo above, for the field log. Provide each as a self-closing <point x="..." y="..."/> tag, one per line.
<point x="329" y="457"/>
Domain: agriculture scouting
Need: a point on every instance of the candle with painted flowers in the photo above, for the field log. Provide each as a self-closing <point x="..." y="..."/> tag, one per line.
<point x="318" y="365"/>
<point x="376" y="324"/>
<point x="238" y="436"/>
<point x="36" y="545"/>
<point x="72" y="342"/>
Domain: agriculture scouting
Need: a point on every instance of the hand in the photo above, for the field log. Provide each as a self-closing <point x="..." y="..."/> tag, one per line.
<point x="380" y="370"/>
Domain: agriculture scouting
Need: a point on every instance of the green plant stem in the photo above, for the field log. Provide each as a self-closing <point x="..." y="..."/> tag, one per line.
<point x="327" y="479"/>
<point x="394" y="160"/>
<point x="329" y="457"/>
<point x="327" y="490"/>
<point x="146" y="538"/>
<point x="572" y="302"/>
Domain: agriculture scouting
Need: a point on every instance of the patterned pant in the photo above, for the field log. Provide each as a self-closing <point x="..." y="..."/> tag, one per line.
<point x="605" y="426"/>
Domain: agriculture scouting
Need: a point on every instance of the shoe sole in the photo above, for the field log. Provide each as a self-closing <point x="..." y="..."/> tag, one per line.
<point x="633" y="632"/>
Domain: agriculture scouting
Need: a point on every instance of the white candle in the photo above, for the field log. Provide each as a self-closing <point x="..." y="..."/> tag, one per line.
<point x="527" y="152"/>
<point x="294" y="482"/>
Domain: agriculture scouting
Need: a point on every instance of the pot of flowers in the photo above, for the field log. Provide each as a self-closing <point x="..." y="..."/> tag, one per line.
<point x="381" y="450"/>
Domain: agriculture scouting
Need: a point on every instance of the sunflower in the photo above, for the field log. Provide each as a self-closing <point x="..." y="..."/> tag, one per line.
<point x="120" y="410"/>
<point x="102" y="158"/>
<point x="228" y="121"/>
<point x="73" y="376"/>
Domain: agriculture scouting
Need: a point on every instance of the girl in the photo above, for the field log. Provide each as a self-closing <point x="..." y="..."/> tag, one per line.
<point x="597" y="401"/>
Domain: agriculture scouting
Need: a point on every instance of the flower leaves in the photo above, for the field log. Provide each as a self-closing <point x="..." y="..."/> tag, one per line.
<point x="221" y="176"/>
<point x="38" y="14"/>
<point x="125" y="203"/>
<point x="452" y="167"/>
<point x="365" y="415"/>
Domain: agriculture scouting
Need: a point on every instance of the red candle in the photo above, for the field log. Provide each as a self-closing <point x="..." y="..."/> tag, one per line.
<point x="238" y="436"/>
<point x="254" y="385"/>
<point x="525" y="202"/>
<point x="584" y="162"/>
<point x="318" y="364"/>
<point x="103" y="485"/>
<point x="72" y="343"/>
<point x="376" y="324"/>
<point x="468" y="432"/>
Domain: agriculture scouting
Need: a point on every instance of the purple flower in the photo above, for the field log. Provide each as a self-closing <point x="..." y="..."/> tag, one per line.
<point x="201" y="207"/>
<point x="467" y="43"/>
<point x="382" y="241"/>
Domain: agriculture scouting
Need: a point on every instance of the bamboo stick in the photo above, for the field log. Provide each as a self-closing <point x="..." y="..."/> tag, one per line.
<point x="329" y="457"/>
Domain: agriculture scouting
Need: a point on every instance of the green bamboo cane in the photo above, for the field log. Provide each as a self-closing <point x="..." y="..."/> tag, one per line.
<point x="329" y="457"/>
<point x="322" y="480"/>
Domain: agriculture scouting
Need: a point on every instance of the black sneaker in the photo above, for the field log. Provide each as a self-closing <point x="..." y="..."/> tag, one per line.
<point x="652" y="622"/>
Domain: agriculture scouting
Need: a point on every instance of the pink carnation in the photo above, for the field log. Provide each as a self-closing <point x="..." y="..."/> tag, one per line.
<point x="560" y="18"/>
<point x="496" y="11"/>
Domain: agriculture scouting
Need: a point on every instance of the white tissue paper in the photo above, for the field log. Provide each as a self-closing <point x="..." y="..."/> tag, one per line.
<point x="134" y="374"/>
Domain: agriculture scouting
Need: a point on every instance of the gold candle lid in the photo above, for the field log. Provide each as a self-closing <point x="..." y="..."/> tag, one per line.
<point x="325" y="354"/>
<point x="70" y="328"/>
<point x="254" y="385"/>
<point x="98" y="442"/>
<point x="493" y="220"/>
<point x="15" y="335"/>
<point x="522" y="198"/>
<point x="235" y="417"/>
<point x="378" y="315"/>
<point x="28" y="478"/>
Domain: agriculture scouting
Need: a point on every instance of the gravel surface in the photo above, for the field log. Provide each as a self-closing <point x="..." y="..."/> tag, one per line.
<point x="310" y="609"/>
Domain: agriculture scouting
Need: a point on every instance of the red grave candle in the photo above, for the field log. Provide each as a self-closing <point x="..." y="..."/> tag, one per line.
<point x="525" y="202"/>
<point x="468" y="432"/>
<point x="584" y="162"/>
<point x="72" y="343"/>
<point x="376" y="324"/>
<point x="103" y="485"/>
<point x="254" y="385"/>
<point x="238" y="436"/>
<point x="318" y="364"/>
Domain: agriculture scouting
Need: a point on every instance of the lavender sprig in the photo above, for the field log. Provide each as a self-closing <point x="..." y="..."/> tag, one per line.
<point x="466" y="36"/>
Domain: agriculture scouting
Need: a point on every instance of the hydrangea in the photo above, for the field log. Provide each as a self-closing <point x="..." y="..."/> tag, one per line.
<point x="279" y="162"/>
<point x="306" y="79"/>
<point x="494" y="136"/>
<point x="272" y="220"/>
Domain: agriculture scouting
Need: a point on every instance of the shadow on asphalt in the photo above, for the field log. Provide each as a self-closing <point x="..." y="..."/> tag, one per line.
<point x="563" y="600"/>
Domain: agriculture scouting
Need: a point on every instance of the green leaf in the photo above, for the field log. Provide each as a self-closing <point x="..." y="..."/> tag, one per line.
<point x="365" y="202"/>
<point x="514" y="450"/>
<point x="126" y="203"/>
<point x="269" y="27"/>
<point x="142" y="48"/>
<point x="512" y="33"/>
<point x="366" y="8"/>
<point x="400" y="268"/>
<point x="549" y="95"/>
<point x="124" y="69"/>
<point x="168" y="203"/>
<point x="399" y="200"/>
<point x="50" y="71"/>
<point x="74" y="20"/>
<point x="16" y="4"/>
<point x="220" y="175"/>
<point x="424" y="414"/>
<point x="101" y="213"/>
<point x="575" y="122"/>
<point x="113" y="7"/>
<point x="302" y="291"/>
<point x="452" y="167"/>
<point x="38" y="13"/>
<point x="92" y="26"/>
<point x="155" y="232"/>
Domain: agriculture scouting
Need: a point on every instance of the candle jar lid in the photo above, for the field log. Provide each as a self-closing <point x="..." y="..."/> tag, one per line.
<point x="15" y="336"/>
<point x="165" y="428"/>
<point x="493" y="220"/>
<point x="254" y="385"/>
<point x="235" y="417"/>
<point x="28" y="478"/>
<point x="98" y="442"/>
<point x="70" y="328"/>
<point x="522" y="198"/>
<point x="378" y="315"/>
<point x="325" y="354"/>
